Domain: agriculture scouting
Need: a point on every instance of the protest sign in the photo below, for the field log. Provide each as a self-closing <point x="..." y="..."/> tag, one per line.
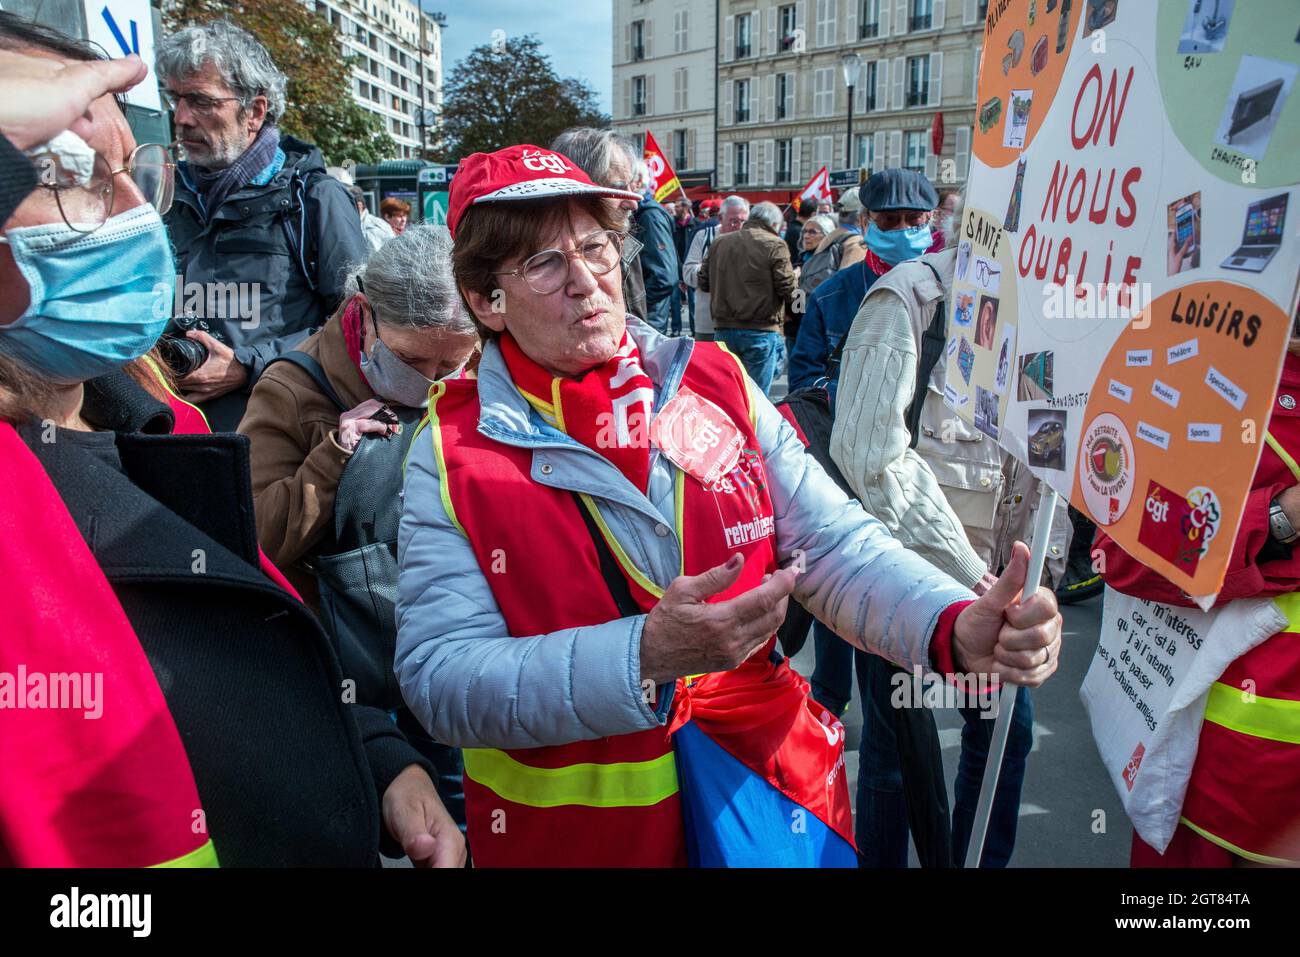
<point x="1127" y="267"/>
<point x="1146" y="690"/>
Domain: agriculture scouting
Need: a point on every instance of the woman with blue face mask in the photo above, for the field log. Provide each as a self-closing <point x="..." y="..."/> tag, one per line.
<point x="86" y="288"/>
<point x="330" y="426"/>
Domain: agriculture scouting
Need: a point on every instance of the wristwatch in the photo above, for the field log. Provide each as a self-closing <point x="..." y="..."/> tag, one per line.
<point x="1279" y="526"/>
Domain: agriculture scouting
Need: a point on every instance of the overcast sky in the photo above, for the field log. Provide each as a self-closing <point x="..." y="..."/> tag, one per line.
<point x="575" y="34"/>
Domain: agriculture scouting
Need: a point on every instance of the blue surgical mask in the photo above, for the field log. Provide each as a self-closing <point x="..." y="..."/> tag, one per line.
<point x="98" y="300"/>
<point x="899" y="245"/>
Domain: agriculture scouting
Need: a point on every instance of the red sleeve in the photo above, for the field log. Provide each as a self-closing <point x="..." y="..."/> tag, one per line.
<point x="941" y="658"/>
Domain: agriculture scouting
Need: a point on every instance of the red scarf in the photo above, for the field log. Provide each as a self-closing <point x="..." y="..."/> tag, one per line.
<point x="607" y="408"/>
<point x="880" y="267"/>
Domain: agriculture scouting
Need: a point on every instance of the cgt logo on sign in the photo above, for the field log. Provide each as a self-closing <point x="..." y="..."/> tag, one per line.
<point x="1135" y="762"/>
<point x="545" y="163"/>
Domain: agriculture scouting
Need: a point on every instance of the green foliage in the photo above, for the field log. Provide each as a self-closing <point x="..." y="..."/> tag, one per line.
<point x="508" y="93"/>
<point x="307" y="48"/>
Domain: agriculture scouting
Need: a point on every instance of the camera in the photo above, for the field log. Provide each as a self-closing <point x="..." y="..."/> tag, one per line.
<point x="182" y="355"/>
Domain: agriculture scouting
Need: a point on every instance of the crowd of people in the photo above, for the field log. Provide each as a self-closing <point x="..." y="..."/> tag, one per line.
<point x="370" y="539"/>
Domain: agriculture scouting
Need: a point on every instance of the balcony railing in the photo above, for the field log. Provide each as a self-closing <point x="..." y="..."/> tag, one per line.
<point x="923" y="22"/>
<point x="638" y="108"/>
<point x="783" y="174"/>
<point x="742" y="114"/>
<point x="868" y="31"/>
<point x="918" y="97"/>
<point x="638" y="53"/>
<point x="743" y="50"/>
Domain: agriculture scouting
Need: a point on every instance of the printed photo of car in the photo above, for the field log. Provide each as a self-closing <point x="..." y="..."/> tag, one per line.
<point x="1047" y="439"/>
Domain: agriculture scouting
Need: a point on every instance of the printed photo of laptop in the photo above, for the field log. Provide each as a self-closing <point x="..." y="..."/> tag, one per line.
<point x="1262" y="236"/>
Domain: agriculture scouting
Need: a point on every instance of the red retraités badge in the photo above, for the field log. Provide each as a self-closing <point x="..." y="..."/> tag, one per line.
<point x="697" y="436"/>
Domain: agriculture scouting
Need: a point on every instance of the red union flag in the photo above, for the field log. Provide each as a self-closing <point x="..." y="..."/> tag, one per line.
<point x="663" y="179"/>
<point x="817" y="190"/>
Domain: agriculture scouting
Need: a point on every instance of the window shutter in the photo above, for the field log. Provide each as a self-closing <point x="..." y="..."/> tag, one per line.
<point x="649" y="38"/>
<point x="900" y="17"/>
<point x="968" y="17"/>
<point x="769" y="161"/>
<point x="796" y="156"/>
<point x="801" y="21"/>
<point x="790" y="80"/>
<point x="931" y="164"/>
<point x="851" y="21"/>
<point x="895" y="148"/>
<point x="769" y="112"/>
<point x="940" y="14"/>
<point x="627" y="43"/>
<point x="936" y="79"/>
<point x="729" y="39"/>
<point x="963" y="152"/>
<point x="728" y="111"/>
<point x="878" y="153"/>
<point x="832" y="37"/>
<point x="727" y="150"/>
<point x="899" y="69"/>
<point x="884" y="21"/>
<point x="975" y="76"/>
<point x="773" y="41"/>
<point x="690" y="149"/>
<point x="754" y="168"/>
<point x="686" y="30"/>
<point x="837" y="155"/>
<point x="627" y="96"/>
<point x="650" y="95"/>
<point x="882" y="85"/>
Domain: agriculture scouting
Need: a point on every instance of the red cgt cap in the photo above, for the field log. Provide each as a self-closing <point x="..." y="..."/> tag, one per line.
<point x="519" y="172"/>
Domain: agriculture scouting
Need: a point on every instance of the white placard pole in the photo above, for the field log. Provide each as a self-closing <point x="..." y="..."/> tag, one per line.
<point x="1007" y="700"/>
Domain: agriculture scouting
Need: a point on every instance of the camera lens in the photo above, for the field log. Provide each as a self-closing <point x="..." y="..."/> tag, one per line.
<point x="183" y="356"/>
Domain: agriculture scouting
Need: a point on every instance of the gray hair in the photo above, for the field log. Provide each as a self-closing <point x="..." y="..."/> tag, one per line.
<point x="734" y="202"/>
<point x="409" y="283"/>
<point x="242" y="61"/>
<point x="595" y="151"/>
<point x="769" y="215"/>
<point x="823" y="221"/>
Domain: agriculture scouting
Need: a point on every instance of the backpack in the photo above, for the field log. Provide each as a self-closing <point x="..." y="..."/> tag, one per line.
<point x="822" y="265"/>
<point x="356" y="566"/>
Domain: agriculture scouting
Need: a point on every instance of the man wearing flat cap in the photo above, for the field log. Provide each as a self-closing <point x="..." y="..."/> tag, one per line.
<point x="593" y="563"/>
<point x="947" y="491"/>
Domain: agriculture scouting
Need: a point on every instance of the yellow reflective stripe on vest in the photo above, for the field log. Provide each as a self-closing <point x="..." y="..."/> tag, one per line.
<point x="1283" y="454"/>
<point x="1276" y="719"/>
<point x="1289" y="605"/>
<point x="1239" y="851"/>
<point x="162" y="381"/>
<point x="205" y="856"/>
<point x="745" y="380"/>
<point x="625" y="784"/>
<point x="624" y="561"/>
<point x="435" y="393"/>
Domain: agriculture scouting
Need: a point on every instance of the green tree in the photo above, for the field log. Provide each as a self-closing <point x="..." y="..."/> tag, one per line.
<point x="508" y="93"/>
<point x="319" y="107"/>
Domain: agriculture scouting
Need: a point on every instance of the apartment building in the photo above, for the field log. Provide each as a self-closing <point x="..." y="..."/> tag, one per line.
<point x="665" y="63"/>
<point x="784" y="106"/>
<point x="398" y="70"/>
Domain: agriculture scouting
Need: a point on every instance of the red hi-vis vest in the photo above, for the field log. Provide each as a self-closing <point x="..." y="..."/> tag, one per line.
<point x="610" y="801"/>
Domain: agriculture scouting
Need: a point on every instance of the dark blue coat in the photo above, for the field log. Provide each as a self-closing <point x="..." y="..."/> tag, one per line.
<point x="659" y="257"/>
<point x="827" y="317"/>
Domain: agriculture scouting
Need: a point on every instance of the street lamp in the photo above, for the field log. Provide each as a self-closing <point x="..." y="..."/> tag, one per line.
<point x="851" y="64"/>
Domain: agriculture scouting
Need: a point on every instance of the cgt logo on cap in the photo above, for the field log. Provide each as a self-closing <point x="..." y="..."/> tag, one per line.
<point x="540" y="162"/>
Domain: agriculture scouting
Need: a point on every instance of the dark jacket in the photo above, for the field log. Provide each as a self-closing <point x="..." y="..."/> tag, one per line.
<point x="827" y="318"/>
<point x="794" y="239"/>
<point x="659" y="263"/>
<point x="245" y="241"/>
<point x="289" y="773"/>
<point x="749" y="279"/>
<point x="17" y="178"/>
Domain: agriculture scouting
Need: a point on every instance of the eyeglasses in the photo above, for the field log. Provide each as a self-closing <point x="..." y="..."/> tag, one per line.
<point x="548" y="270"/>
<point x="894" y="218"/>
<point x="200" y="103"/>
<point x="85" y="208"/>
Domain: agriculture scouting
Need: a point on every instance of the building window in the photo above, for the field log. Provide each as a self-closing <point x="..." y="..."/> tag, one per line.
<point x="863" y="144"/>
<point x="922" y="17"/>
<point x="870" y="75"/>
<point x="679" y="31"/>
<point x="782" y="93"/>
<point x="869" y="20"/>
<point x="788" y="16"/>
<point x="680" y="159"/>
<point x="742" y="101"/>
<point x="784" y="161"/>
<point x="824" y="92"/>
<point x="742" y="164"/>
<point x="918" y="80"/>
<point x="679" y="90"/>
<point x="983" y="9"/>
<point x="914" y="153"/>
<point x="744" y="36"/>
<point x="638" y="40"/>
<point x="826" y="22"/>
<point x="638" y="96"/>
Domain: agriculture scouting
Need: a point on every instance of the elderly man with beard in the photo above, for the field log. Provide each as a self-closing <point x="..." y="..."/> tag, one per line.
<point x="263" y="236"/>
<point x="579" y="606"/>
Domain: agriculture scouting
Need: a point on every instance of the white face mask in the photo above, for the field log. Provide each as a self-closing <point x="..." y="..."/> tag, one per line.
<point x="396" y="381"/>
